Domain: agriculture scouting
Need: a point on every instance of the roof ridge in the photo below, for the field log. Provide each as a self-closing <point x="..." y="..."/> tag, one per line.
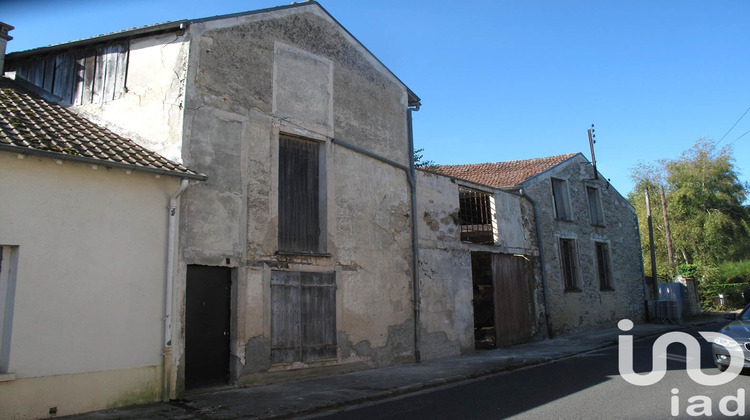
<point x="566" y="155"/>
<point x="507" y="173"/>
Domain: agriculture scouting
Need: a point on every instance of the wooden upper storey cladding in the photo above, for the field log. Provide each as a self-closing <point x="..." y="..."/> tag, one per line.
<point x="86" y="75"/>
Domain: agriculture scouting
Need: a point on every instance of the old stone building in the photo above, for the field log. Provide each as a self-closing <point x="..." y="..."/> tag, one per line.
<point x="588" y="238"/>
<point x="297" y="251"/>
<point x="479" y="267"/>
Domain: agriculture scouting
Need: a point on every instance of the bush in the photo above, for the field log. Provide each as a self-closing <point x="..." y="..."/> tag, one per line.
<point x="729" y="279"/>
<point x="688" y="270"/>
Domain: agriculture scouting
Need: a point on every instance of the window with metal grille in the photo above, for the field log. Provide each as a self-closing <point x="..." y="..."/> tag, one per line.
<point x="595" y="208"/>
<point x="476" y="209"/>
<point x="569" y="263"/>
<point x="561" y="199"/>
<point x="299" y="196"/>
<point x="603" y="266"/>
<point x="303" y="316"/>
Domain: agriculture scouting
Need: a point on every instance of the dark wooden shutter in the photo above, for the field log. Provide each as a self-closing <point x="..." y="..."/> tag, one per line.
<point x="318" y="295"/>
<point x="299" y="195"/>
<point x="303" y="316"/>
<point x="285" y="317"/>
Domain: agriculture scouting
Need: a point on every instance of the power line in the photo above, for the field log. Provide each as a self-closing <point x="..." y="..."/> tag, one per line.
<point x="735" y="124"/>
<point x="738" y="138"/>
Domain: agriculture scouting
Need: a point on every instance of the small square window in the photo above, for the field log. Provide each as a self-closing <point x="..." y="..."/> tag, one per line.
<point x="476" y="210"/>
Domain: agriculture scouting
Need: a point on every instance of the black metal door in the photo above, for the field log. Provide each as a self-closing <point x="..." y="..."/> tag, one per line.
<point x="207" y="313"/>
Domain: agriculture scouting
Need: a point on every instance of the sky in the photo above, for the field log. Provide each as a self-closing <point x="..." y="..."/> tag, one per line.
<point x="516" y="79"/>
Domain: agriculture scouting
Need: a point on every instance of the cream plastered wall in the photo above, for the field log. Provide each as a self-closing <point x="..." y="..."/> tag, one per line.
<point x="90" y="282"/>
<point x="150" y="111"/>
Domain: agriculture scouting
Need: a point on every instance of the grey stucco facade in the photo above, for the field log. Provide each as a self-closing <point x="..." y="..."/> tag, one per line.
<point x="296" y="72"/>
<point x="219" y="94"/>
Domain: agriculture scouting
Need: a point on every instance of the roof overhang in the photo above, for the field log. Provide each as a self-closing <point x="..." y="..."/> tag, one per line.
<point x="99" y="39"/>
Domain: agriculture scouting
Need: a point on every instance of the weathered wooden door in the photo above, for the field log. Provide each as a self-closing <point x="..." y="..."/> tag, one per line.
<point x="207" y="313"/>
<point x="513" y="300"/>
<point x="303" y="316"/>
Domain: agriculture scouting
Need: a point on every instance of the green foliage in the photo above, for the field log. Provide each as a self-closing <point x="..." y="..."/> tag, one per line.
<point x="729" y="279"/>
<point x="420" y="161"/>
<point x="709" y="223"/>
<point x="704" y="198"/>
<point x="688" y="270"/>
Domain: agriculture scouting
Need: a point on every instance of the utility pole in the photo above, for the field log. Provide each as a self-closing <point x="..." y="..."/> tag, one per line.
<point x="670" y="251"/>
<point x="655" y="288"/>
<point x="592" y="140"/>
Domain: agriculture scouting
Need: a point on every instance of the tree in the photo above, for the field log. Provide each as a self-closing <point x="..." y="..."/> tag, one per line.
<point x="420" y="161"/>
<point x="709" y="223"/>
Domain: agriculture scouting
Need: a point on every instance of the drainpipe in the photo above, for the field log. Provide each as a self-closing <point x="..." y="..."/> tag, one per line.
<point x="541" y="260"/>
<point x="414" y="237"/>
<point x="172" y="229"/>
<point x="411" y="177"/>
<point x="4" y="38"/>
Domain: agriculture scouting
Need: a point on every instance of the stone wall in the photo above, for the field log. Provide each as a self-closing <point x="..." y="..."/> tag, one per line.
<point x="589" y="306"/>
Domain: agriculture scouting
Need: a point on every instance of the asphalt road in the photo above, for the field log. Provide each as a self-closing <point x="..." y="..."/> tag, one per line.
<point x="588" y="386"/>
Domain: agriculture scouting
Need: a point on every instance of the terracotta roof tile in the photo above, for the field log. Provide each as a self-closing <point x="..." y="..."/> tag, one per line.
<point x="31" y="124"/>
<point x="503" y="174"/>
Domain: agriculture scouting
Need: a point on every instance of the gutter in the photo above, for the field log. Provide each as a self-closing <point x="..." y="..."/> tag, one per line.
<point x="414" y="238"/>
<point x="126" y="34"/>
<point x="172" y="222"/>
<point x="100" y="162"/>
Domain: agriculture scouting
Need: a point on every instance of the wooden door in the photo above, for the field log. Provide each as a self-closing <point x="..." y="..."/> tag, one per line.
<point x="513" y="300"/>
<point x="207" y="314"/>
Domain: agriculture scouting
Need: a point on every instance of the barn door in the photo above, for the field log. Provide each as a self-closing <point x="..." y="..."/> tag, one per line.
<point x="513" y="303"/>
<point x="207" y="313"/>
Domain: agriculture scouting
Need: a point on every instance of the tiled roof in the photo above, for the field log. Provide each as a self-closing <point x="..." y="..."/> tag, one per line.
<point x="30" y="124"/>
<point x="503" y="174"/>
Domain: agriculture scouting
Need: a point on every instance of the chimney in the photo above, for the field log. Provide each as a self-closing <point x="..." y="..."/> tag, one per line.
<point x="4" y="38"/>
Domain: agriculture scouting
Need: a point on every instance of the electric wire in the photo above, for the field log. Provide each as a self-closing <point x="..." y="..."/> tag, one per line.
<point x="730" y="129"/>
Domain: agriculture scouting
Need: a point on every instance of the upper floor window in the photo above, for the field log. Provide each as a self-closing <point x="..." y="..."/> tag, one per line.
<point x="569" y="263"/>
<point x="595" y="207"/>
<point x="604" y="270"/>
<point x="561" y="199"/>
<point x="301" y="211"/>
<point x="476" y="210"/>
<point x="87" y="75"/>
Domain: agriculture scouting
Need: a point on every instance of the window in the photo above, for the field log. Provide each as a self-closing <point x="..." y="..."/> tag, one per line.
<point x="569" y="263"/>
<point x="476" y="209"/>
<point x="80" y="76"/>
<point x="561" y="199"/>
<point x="8" y="264"/>
<point x="303" y="316"/>
<point x="603" y="266"/>
<point x="595" y="208"/>
<point x="300" y="205"/>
